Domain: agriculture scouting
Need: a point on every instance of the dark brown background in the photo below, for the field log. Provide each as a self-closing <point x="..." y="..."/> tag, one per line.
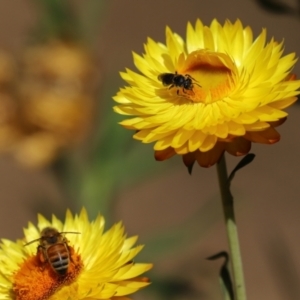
<point x="267" y="192"/>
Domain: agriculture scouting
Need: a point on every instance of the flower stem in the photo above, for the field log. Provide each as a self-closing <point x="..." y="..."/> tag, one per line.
<point x="232" y="234"/>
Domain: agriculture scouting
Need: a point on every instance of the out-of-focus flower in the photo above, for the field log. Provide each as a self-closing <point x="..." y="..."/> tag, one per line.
<point x="10" y="130"/>
<point x="47" y="102"/>
<point x="57" y="98"/>
<point x="58" y="88"/>
<point x="217" y="91"/>
<point x="100" y="267"/>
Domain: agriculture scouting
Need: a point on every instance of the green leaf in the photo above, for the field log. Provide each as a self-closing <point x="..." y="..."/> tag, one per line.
<point x="243" y="162"/>
<point x="225" y="279"/>
<point x="57" y="20"/>
<point x="276" y="6"/>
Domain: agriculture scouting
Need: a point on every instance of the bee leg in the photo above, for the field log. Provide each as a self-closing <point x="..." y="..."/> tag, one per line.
<point x="193" y="79"/>
<point x="172" y="85"/>
<point x="180" y="94"/>
<point x="189" y="76"/>
<point x="41" y="256"/>
<point x="192" y="91"/>
<point x="184" y="91"/>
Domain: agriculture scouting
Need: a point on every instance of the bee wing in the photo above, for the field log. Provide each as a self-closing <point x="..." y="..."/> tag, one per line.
<point x="166" y="78"/>
<point x="160" y="77"/>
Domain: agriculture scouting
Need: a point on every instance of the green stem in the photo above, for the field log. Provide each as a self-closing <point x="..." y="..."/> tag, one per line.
<point x="232" y="234"/>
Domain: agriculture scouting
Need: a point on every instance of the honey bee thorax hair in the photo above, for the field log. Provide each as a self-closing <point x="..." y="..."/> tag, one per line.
<point x="50" y="236"/>
<point x="51" y="239"/>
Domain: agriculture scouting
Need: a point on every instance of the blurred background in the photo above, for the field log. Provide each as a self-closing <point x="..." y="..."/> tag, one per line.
<point x="61" y="147"/>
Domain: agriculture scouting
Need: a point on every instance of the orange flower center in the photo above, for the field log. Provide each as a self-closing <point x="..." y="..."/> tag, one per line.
<point x="212" y="73"/>
<point x="36" y="280"/>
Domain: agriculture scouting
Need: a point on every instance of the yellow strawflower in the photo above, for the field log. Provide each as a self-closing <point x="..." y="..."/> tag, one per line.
<point x="101" y="263"/>
<point x="218" y="90"/>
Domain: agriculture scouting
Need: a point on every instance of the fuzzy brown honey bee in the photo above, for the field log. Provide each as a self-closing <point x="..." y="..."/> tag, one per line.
<point x="54" y="249"/>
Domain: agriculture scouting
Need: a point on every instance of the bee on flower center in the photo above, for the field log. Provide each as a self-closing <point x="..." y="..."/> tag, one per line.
<point x="186" y="82"/>
<point x="54" y="249"/>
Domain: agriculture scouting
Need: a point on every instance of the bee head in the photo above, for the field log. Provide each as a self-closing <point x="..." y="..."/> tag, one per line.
<point x="50" y="235"/>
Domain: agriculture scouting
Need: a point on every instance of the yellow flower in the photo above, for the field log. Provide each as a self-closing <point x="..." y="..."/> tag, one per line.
<point x="100" y="267"/>
<point x="217" y="91"/>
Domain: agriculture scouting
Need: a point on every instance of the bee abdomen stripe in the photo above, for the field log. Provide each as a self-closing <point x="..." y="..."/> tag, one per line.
<point x="58" y="263"/>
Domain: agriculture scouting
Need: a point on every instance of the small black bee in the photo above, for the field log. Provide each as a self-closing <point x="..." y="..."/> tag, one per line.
<point x="178" y="80"/>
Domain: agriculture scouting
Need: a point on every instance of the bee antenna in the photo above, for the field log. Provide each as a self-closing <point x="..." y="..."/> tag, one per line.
<point x="32" y="242"/>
